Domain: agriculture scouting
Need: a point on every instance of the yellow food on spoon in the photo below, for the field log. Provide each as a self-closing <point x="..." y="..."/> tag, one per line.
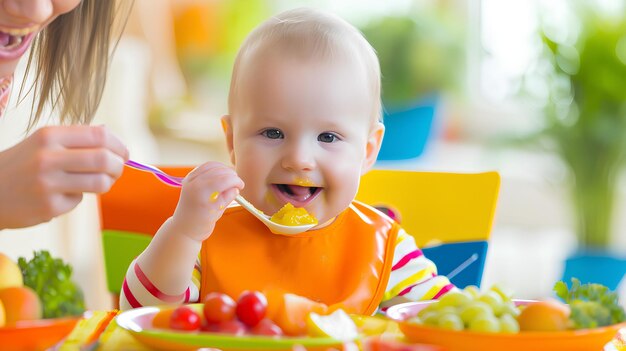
<point x="291" y="216"/>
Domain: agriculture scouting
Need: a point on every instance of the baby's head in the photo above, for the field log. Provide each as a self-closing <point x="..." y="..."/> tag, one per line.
<point x="304" y="111"/>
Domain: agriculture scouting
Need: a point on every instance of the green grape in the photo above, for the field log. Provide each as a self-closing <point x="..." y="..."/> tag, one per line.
<point x="450" y="321"/>
<point x="474" y="310"/>
<point x="506" y="296"/>
<point x="472" y="290"/>
<point x="447" y="310"/>
<point x="428" y="309"/>
<point x="508" y="324"/>
<point x="431" y="318"/>
<point x="455" y="299"/>
<point x="510" y="308"/>
<point x="485" y="323"/>
<point x="492" y="299"/>
<point x="490" y="311"/>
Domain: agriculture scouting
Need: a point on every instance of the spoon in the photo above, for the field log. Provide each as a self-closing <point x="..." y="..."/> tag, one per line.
<point x="274" y="227"/>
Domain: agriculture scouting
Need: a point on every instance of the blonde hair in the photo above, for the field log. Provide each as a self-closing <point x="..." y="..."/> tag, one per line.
<point x="311" y="34"/>
<point x="70" y="58"/>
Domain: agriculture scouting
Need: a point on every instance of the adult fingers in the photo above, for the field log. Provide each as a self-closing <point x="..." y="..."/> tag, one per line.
<point x="64" y="203"/>
<point x="73" y="183"/>
<point x="51" y="207"/>
<point x="77" y="136"/>
<point x="87" y="161"/>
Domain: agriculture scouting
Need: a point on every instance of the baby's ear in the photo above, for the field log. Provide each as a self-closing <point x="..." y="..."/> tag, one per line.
<point x="227" y="127"/>
<point x="374" y="141"/>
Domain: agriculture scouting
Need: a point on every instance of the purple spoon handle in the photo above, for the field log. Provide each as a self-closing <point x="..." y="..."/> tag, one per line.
<point x="162" y="176"/>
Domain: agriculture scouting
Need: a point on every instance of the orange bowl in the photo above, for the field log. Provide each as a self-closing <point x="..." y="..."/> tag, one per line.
<point x="571" y="340"/>
<point x="38" y="334"/>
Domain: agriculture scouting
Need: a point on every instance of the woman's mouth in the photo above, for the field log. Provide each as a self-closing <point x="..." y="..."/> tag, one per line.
<point x="297" y="195"/>
<point x="14" y="42"/>
<point x="9" y="42"/>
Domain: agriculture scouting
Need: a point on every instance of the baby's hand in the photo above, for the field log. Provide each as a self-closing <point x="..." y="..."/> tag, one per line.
<point x="206" y="192"/>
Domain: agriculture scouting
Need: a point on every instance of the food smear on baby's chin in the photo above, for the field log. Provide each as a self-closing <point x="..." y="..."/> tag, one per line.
<point x="293" y="216"/>
<point x="271" y="199"/>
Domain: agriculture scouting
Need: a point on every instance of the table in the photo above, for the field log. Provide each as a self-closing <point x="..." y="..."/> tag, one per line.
<point x="111" y="337"/>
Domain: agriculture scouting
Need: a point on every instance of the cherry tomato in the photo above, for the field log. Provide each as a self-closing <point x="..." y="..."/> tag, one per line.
<point x="267" y="327"/>
<point x="210" y="327"/>
<point x="251" y="307"/>
<point x="233" y="327"/>
<point x="218" y="307"/>
<point x="162" y="318"/>
<point x="184" y="318"/>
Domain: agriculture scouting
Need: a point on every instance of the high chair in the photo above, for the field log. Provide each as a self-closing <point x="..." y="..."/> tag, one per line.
<point x="450" y="216"/>
<point x="130" y="214"/>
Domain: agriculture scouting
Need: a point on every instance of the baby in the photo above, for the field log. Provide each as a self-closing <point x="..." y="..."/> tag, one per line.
<point x="303" y="126"/>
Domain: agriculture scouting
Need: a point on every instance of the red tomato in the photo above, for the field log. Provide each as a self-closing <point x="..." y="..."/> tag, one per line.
<point x="210" y="327"/>
<point x="251" y="307"/>
<point x="218" y="307"/>
<point x="233" y="327"/>
<point x="162" y="318"/>
<point x="184" y="318"/>
<point x="267" y="327"/>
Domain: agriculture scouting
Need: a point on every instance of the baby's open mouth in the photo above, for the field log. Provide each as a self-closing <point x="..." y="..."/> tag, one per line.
<point x="298" y="193"/>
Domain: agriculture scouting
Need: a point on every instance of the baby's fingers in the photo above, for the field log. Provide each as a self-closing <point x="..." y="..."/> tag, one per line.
<point x="203" y="169"/>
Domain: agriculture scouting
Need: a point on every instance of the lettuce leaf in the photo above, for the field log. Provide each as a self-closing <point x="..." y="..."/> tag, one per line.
<point x="51" y="279"/>
<point x="592" y="305"/>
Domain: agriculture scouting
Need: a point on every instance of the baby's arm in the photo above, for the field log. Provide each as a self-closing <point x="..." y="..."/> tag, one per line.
<point x="162" y="274"/>
<point x="413" y="276"/>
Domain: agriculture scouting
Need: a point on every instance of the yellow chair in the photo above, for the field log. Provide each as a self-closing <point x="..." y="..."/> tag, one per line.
<point x="450" y="215"/>
<point x="444" y="207"/>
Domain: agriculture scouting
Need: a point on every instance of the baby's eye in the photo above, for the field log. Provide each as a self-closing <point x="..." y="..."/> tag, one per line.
<point x="327" y="137"/>
<point x="273" y="134"/>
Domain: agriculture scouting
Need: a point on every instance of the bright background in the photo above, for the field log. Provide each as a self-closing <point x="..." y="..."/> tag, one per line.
<point x="168" y="85"/>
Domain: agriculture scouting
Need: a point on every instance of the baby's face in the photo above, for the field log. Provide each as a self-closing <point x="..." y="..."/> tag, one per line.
<point x="303" y="134"/>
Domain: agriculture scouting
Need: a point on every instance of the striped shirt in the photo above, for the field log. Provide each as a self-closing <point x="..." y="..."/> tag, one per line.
<point x="413" y="277"/>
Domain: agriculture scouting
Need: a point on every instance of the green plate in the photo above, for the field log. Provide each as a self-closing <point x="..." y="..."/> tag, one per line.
<point x="139" y="323"/>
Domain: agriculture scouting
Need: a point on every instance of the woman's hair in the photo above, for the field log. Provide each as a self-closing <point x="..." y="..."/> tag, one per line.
<point x="70" y="59"/>
<point x="310" y="34"/>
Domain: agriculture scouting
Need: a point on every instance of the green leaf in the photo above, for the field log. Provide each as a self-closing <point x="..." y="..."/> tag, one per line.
<point x="51" y="279"/>
<point x="592" y="305"/>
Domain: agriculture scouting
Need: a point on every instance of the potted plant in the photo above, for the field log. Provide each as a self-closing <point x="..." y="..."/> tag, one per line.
<point x="420" y="56"/>
<point x="585" y="123"/>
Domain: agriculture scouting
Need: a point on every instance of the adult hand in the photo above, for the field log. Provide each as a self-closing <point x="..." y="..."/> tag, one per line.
<point x="46" y="174"/>
<point x="206" y="192"/>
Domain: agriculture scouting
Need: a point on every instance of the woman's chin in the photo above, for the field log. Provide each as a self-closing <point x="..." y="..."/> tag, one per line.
<point x="7" y="67"/>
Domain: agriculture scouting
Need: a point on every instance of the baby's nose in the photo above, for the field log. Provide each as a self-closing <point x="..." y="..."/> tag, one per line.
<point x="298" y="158"/>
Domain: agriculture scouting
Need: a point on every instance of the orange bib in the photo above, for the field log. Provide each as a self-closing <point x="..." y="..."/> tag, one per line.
<point x="346" y="262"/>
